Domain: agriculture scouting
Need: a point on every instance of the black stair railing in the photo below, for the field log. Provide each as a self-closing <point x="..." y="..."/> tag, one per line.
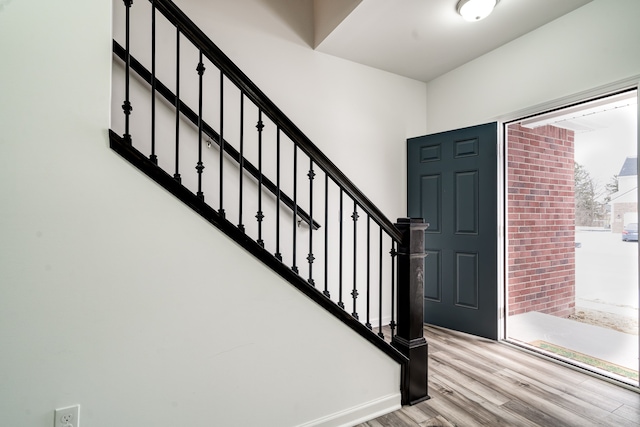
<point x="345" y="261"/>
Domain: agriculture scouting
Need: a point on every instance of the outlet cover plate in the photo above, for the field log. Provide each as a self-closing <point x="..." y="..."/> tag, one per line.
<point x="67" y="417"/>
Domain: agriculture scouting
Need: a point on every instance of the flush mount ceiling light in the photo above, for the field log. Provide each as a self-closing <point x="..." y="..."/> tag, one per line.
<point x="475" y="10"/>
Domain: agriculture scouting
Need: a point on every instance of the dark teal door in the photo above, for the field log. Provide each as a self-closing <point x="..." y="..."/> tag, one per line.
<point x="452" y="184"/>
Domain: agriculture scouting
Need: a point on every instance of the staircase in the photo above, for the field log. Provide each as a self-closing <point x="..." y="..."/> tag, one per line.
<point x="208" y="135"/>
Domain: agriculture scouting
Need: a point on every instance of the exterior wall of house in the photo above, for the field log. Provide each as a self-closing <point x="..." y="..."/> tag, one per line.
<point x="115" y="296"/>
<point x="624" y="203"/>
<point x="623" y="214"/>
<point x="626" y="185"/>
<point x="541" y="217"/>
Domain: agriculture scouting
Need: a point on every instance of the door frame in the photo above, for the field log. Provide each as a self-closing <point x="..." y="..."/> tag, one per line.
<point x="559" y="103"/>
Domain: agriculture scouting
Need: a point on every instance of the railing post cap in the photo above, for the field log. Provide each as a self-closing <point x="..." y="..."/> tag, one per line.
<point x="410" y="220"/>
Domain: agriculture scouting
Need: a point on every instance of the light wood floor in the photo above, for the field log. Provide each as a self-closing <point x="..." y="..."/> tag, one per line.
<point x="478" y="382"/>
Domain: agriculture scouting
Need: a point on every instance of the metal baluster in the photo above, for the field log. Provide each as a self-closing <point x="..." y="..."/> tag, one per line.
<point x="221" y="209"/>
<point x="176" y="175"/>
<point x="310" y="257"/>
<point x="392" y="324"/>
<point x="340" y="303"/>
<point x="126" y="106"/>
<point x="241" y="177"/>
<point x="294" y="267"/>
<point x="278" y="255"/>
<point x="326" y="235"/>
<point x="368" y="324"/>
<point x="260" y="215"/>
<point x="380" y="334"/>
<point x="200" y="68"/>
<point x="153" y="156"/>
<point x="354" y="292"/>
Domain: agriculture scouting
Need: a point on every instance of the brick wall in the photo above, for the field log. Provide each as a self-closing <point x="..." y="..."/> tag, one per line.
<point x="541" y="211"/>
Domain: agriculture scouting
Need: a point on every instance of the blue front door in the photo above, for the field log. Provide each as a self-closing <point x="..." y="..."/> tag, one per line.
<point x="452" y="184"/>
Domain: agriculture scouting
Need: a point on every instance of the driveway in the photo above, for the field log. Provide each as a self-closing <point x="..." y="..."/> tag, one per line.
<point x="606" y="272"/>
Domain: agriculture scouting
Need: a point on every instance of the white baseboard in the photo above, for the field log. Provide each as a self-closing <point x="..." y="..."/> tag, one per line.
<point x="358" y="414"/>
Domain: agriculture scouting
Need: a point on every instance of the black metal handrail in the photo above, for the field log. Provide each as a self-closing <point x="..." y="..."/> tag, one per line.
<point x="184" y="27"/>
<point x="355" y="254"/>
<point x="120" y="145"/>
<point x="195" y="118"/>
<point x="233" y="73"/>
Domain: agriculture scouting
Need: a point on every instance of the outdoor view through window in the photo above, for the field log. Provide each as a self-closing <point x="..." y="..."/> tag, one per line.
<point x="572" y="235"/>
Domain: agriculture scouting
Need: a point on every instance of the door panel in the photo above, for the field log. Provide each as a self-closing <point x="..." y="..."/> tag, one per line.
<point x="452" y="185"/>
<point x="431" y="189"/>
<point x="466" y="207"/>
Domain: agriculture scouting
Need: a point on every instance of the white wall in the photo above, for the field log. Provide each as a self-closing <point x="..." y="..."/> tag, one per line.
<point x="360" y="117"/>
<point x="117" y="297"/>
<point x="593" y="46"/>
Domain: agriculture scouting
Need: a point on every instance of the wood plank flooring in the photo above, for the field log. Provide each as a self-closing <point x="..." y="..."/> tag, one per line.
<point x="478" y="382"/>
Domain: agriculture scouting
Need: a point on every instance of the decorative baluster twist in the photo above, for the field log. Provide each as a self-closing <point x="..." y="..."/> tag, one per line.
<point x="176" y="174"/>
<point x="380" y="333"/>
<point x="354" y="292"/>
<point x="200" y="166"/>
<point x="259" y="214"/>
<point x="153" y="156"/>
<point x="310" y="257"/>
<point x="126" y="106"/>
<point x="340" y="303"/>
<point x="278" y="255"/>
<point x="326" y="236"/>
<point x="368" y="323"/>
<point x="221" y="167"/>
<point x="241" y="164"/>
<point x="393" y="253"/>
<point x="294" y="267"/>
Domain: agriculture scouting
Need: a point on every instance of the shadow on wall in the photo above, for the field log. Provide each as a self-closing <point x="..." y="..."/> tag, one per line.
<point x="297" y="15"/>
<point x="4" y="3"/>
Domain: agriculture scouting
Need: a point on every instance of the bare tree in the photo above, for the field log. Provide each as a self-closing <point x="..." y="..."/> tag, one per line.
<point x="610" y="188"/>
<point x="588" y="209"/>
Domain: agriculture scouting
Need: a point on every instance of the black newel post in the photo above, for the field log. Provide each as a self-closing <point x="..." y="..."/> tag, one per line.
<point x="409" y="339"/>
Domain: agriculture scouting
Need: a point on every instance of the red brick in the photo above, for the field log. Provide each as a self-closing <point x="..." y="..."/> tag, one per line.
<point x="540" y="232"/>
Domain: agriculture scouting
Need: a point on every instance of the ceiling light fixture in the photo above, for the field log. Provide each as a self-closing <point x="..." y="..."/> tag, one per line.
<point x="475" y="10"/>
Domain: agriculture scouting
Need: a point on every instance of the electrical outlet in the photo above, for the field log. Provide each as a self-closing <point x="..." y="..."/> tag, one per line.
<point x="67" y="417"/>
